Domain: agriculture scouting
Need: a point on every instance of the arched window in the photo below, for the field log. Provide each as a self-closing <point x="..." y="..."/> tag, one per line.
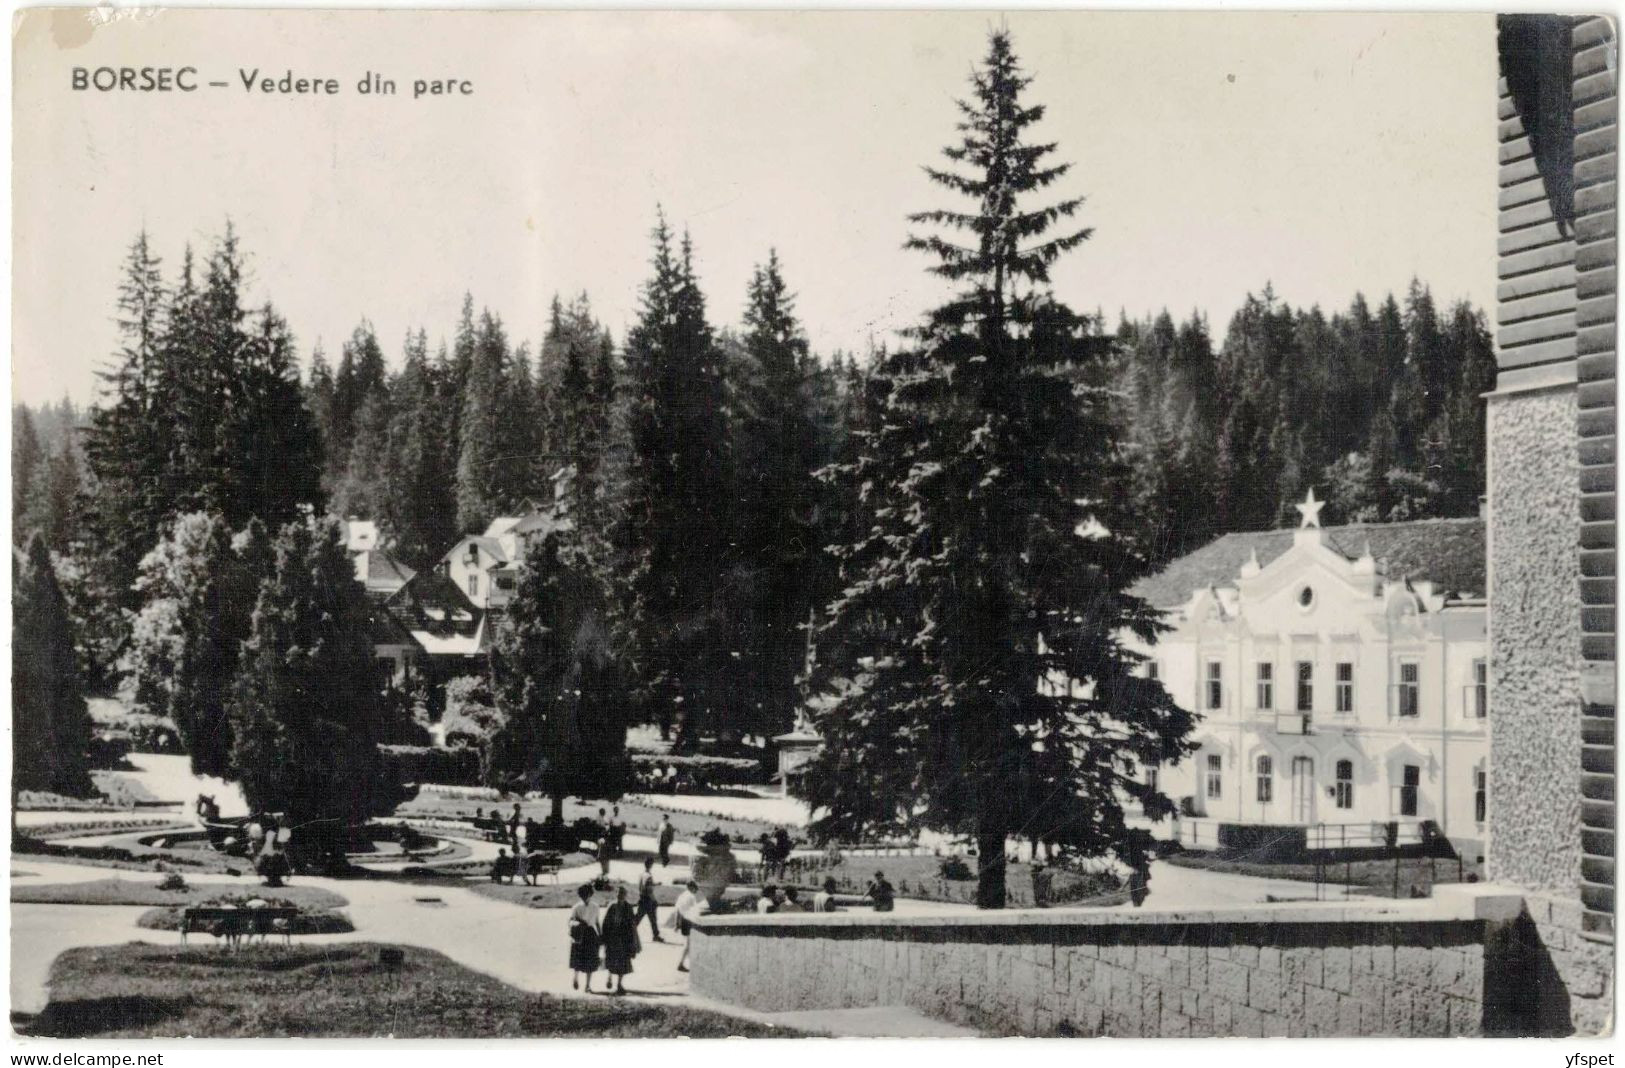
<point x="1345" y="784"/>
<point x="1266" y="780"/>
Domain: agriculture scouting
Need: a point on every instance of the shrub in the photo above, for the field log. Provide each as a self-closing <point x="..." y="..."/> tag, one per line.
<point x="173" y="881"/>
<point x="426" y="764"/>
<point x="701" y="770"/>
<point x="955" y="868"/>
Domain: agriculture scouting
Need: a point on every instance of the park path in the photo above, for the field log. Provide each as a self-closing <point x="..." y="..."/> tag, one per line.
<point x="525" y="948"/>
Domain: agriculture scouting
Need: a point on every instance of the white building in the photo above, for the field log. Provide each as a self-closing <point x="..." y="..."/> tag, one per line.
<point x="1339" y="676"/>
<point x="486" y="566"/>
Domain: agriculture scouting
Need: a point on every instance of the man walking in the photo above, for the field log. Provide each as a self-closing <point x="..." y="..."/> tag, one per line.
<point x="647" y="905"/>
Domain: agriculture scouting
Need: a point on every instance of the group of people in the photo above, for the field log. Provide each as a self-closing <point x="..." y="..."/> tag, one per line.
<point x="776" y="849"/>
<point x="609" y="938"/>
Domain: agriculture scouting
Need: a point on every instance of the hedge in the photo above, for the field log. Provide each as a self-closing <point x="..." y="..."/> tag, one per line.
<point x="428" y="764"/>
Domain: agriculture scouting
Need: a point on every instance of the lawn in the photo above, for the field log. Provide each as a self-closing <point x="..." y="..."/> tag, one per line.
<point x="331" y="991"/>
<point x="127" y="892"/>
<point x="1417" y="875"/>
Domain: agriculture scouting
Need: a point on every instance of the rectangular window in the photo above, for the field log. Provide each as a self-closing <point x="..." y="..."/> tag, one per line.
<point x="1215" y="684"/>
<point x="474" y="585"/>
<point x="1345" y="688"/>
<point x="1345" y="784"/>
<point x="1409" y="789"/>
<point x="1410" y="689"/>
<point x="1153" y="780"/>
<point x="1266" y="780"/>
<point x="1481" y="689"/>
<point x="1266" y="685"/>
<point x="1215" y="776"/>
<point x="1152" y="671"/>
<point x="1306" y="686"/>
<point x="1480" y="788"/>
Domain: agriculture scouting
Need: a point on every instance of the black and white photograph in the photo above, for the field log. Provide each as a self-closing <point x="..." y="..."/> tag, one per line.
<point x="919" y="524"/>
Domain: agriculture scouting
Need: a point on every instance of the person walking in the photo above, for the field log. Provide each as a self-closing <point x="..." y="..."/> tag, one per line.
<point x="584" y="938"/>
<point x="688" y="909"/>
<point x="621" y="942"/>
<point x="617" y="832"/>
<point x="668" y="835"/>
<point x="647" y="905"/>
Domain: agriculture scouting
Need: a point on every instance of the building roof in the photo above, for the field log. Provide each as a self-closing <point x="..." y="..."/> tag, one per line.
<point x="380" y="572"/>
<point x="438" y="615"/>
<point x="1447" y="552"/>
<point x="491" y="545"/>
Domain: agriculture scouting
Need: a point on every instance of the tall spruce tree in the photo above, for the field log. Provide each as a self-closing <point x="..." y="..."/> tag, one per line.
<point x="779" y="500"/>
<point x="50" y="721"/>
<point x="420" y="508"/>
<point x="28" y="460"/>
<point x="559" y="686"/>
<point x="675" y="519"/>
<point x="975" y="655"/>
<point x="484" y="471"/>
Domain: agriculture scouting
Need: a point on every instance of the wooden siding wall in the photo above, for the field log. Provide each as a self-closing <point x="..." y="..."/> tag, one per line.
<point x="1595" y="152"/>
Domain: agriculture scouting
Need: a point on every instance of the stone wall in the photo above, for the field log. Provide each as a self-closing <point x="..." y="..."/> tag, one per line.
<point x="1450" y="966"/>
<point x="1534" y="783"/>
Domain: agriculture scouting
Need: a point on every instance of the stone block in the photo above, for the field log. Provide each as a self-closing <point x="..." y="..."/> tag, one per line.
<point x="1585" y="980"/>
<point x="1382" y="959"/>
<point x="1264" y="991"/>
<point x="1370" y="988"/>
<point x="1179" y="973"/>
<point x="1398" y="1019"/>
<point x="1223" y="1017"/>
<point x="1174" y="1025"/>
<point x="1339" y="966"/>
<point x="1447" y="968"/>
<point x="1348" y="1017"/>
<point x="1430" y="1015"/>
<point x="1269" y="958"/>
<point x="1199" y="970"/>
<point x="1249" y="1022"/>
<point x="1320" y="1008"/>
<point x="1413" y="965"/>
<point x="1228" y="980"/>
<point x="1466" y="1017"/>
<point x="1361" y="959"/>
<point x="1245" y="954"/>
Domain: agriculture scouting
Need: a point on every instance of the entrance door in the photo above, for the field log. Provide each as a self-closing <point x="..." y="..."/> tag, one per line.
<point x="1303" y="790"/>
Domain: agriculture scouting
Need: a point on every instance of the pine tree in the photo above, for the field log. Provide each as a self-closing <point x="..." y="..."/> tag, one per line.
<point x="483" y="469"/>
<point x="28" y="460"/>
<point x="305" y="713"/>
<point x="974" y="590"/>
<point x="420" y="509"/>
<point x="558" y="685"/>
<point x="674" y="516"/>
<point x="130" y="444"/>
<point x="779" y="500"/>
<point x="50" y="721"/>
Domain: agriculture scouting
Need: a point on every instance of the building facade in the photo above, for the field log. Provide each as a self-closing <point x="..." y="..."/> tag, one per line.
<point x="1339" y="685"/>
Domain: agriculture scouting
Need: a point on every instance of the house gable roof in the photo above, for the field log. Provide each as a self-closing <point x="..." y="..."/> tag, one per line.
<point x="1447" y="552"/>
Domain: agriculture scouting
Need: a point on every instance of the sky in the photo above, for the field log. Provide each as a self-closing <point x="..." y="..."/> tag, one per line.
<point x="1326" y="153"/>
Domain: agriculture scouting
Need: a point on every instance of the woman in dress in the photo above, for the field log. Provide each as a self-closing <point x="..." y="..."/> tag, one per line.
<point x="584" y="937"/>
<point x="621" y="942"/>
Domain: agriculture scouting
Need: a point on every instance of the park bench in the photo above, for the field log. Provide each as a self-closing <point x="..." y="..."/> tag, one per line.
<point x="233" y="926"/>
<point x="549" y="864"/>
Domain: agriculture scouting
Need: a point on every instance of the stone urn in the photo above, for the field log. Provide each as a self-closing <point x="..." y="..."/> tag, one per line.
<point x="713" y="866"/>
